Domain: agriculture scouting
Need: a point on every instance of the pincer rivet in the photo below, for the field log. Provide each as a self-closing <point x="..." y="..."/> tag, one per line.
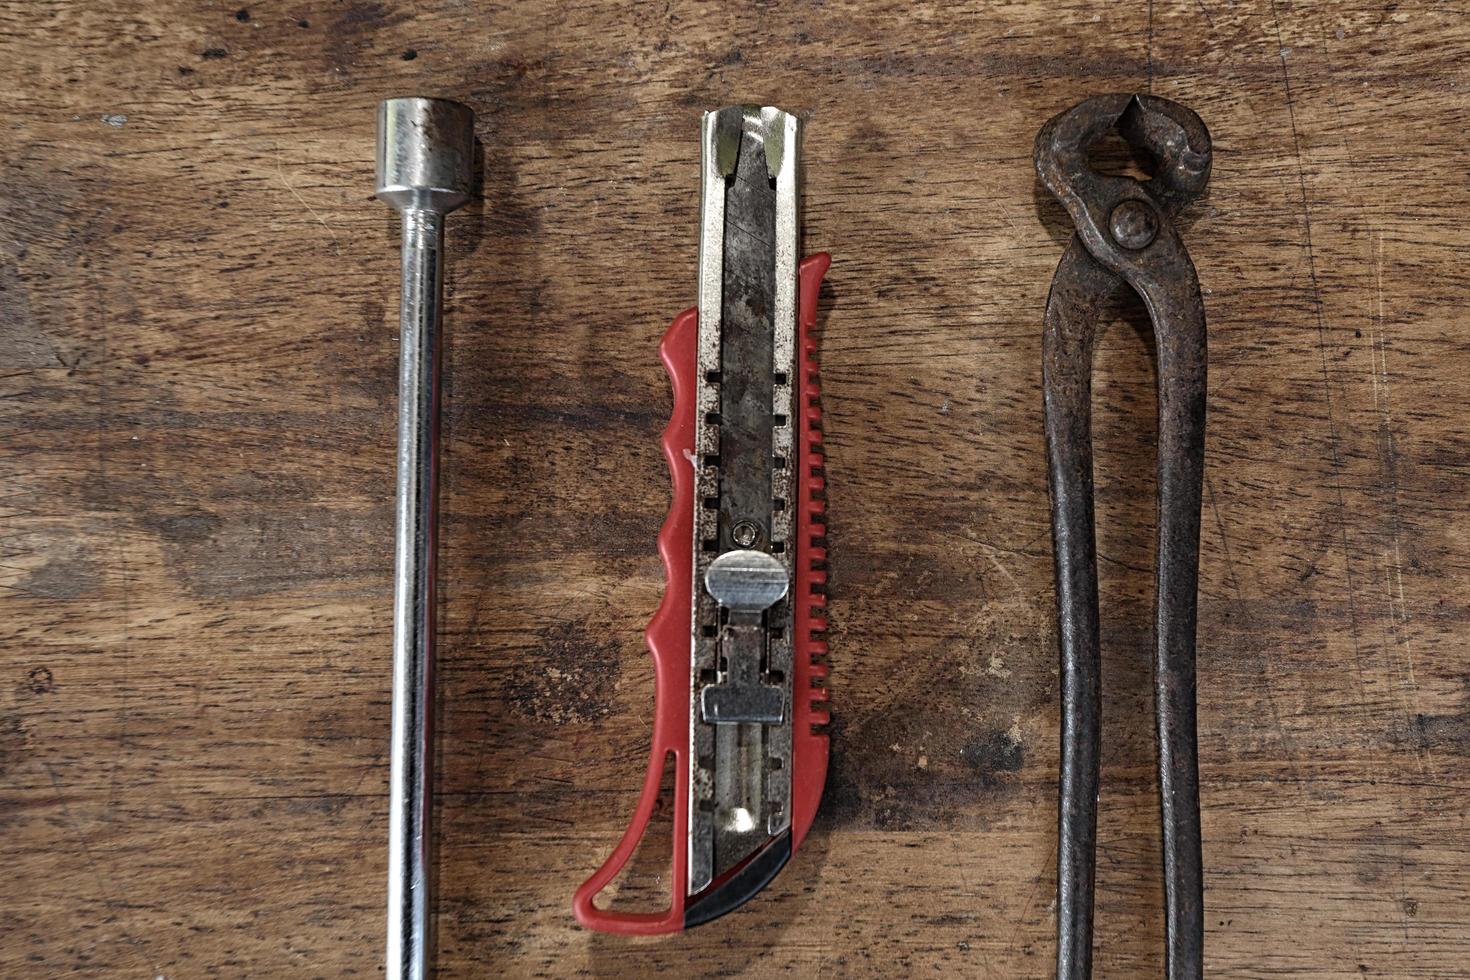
<point x="1134" y="224"/>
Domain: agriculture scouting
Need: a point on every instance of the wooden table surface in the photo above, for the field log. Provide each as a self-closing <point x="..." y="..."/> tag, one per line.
<point x="198" y="321"/>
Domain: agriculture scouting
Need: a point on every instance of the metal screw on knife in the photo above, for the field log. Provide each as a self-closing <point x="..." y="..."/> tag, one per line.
<point x="425" y="166"/>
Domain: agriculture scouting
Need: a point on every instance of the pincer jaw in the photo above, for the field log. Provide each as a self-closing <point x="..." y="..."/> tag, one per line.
<point x="1173" y="135"/>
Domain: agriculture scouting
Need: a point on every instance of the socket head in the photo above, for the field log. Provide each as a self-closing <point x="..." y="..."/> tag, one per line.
<point x="426" y="153"/>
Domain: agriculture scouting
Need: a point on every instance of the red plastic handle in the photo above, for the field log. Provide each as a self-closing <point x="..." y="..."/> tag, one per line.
<point x="668" y="641"/>
<point x="668" y="633"/>
<point x="809" y="742"/>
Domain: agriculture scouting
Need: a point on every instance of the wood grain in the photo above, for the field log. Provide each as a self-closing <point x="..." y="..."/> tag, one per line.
<point x="197" y="300"/>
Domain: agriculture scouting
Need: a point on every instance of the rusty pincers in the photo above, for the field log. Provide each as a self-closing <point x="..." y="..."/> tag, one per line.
<point x="1124" y="235"/>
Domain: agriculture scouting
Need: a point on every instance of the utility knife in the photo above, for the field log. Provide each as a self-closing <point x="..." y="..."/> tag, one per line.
<point x="740" y="659"/>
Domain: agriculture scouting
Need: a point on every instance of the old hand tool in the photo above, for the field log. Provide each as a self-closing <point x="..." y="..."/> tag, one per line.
<point x="1124" y="235"/>
<point x="736" y="641"/>
<point x="425" y="167"/>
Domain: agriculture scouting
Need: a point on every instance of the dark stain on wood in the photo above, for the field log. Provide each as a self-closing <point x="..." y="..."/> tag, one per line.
<point x="569" y="678"/>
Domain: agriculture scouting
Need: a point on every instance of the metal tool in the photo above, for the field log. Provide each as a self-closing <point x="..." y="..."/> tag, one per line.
<point x="425" y="169"/>
<point x="736" y="642"/>
<point x="1124" y="235"/>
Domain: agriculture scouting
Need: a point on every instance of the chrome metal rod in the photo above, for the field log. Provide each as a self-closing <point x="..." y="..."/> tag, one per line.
<point x="425" y="166"/>
<point x="411" y="787"/>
